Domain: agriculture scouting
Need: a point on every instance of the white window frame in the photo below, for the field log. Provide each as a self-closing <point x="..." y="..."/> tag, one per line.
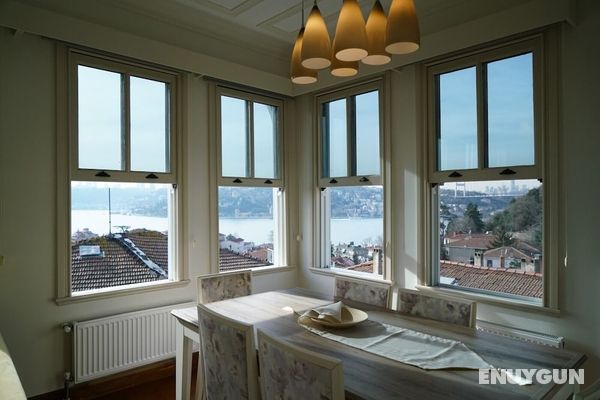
<point x="68" y="169"/>
<point x="544" y="47"/>
<point x="280" y="200"/>
<point x="322" y="199"/>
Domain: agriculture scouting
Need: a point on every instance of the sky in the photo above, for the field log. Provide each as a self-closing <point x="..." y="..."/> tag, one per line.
<point x="510" y="115"/>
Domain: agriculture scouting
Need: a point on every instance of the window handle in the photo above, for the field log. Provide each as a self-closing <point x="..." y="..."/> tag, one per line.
<point x="237" y="180"/>
<point x="269" y="182"/>
<point x="364" y="179"/>
<point x="507" y="171"/>
<point x="455" y="174"/>
<point x="334" y="181"/>
<point x="103" y="174"/>
<point x="151" y="176"/>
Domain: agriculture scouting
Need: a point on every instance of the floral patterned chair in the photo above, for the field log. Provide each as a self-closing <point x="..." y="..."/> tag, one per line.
<point x="229" y="357"/>
<point x="293" y="373"/>
<point x="222" y="286"/>
<point x="354" y="291"/>
<point x="440" y="308"/>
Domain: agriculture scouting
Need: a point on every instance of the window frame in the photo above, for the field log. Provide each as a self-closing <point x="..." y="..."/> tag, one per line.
<point x="322" y="228"/>
<point x="68" y="59"/>
<point x="218" y="180"/>
<point x="544" y="47"/>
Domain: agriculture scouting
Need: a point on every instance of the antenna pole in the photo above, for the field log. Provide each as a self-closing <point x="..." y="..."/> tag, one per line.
<point x="109" y="215"/>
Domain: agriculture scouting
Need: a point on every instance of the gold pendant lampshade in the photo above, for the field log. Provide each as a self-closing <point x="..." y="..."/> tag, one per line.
<point x="300" y="74"/>
<point x="350" y="33"/>
<point x="376" y="26"/>
<point x="341" y="68"/>
<point x="402" y="34"/>
<point x="316" y="45"/>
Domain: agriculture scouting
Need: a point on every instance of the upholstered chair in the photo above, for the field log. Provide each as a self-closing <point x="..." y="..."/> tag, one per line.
<point x="223" y="286"/>
<point x="440" y="308"/>
<point x="356" y="291"/>
<point x="293" y="373"/>
<point x="229" y="357"/>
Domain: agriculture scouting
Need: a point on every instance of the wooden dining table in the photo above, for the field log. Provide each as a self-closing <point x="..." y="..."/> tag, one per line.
<point x="370" y="376"/>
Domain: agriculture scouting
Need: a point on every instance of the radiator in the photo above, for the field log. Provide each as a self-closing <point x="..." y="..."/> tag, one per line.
<point x="113" y="344"/>
<point x="522" y="334"/>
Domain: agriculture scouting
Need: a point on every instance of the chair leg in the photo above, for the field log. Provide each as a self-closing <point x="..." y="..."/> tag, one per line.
<point x="200" y="378"/>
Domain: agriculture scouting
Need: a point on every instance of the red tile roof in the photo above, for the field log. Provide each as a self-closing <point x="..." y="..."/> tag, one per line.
<point x="230" y="261"/>
<point x="505" y="280"/>
<point x="475" y="241"/>
<point x="116" y="265"/>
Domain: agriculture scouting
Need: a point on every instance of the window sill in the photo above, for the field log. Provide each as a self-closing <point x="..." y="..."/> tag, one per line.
<point x="271" y="270"/>
<point x="333" y="272"/>
<point x="108" y="293"/>
<point x="517" y="304"/>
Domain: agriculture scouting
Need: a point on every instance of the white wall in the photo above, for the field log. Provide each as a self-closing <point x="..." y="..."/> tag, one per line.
<point x="29" y="318"/>
<point x="579" y="298"/>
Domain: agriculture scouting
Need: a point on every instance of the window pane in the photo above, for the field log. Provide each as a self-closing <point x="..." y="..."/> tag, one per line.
<point x="491" y="236"/>
<point x="248" y="227"/>
<point x="457" y="130"/>
<point x="356" y="228"/>
<point x="119" y="234"/>
<point x="510" y="111"/>
<point x="99" y="119"/>
<point x="149" y="126"/>
<point x="335" y="139"/>
<point x="234" y="138"/>
<point x="367" y="134"/>
<point x="265" y="141"/>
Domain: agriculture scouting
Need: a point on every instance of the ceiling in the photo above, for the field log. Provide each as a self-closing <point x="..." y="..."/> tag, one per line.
<point x="255" y="33"/>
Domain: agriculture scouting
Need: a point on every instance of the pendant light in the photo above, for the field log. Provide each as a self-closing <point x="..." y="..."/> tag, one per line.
<point x="376" y="26"/>
<point x="301" y="75"/>
<point x="350" y="33"/>
<point x="341" y="68"/>
<point x="402" y="33"/>
<point x="316" y="45"/>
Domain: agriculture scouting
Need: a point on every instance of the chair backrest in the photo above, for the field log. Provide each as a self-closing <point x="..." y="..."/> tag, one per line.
<point x="359" y="291"/>
<point x="440" y="308"/>
<point x="222" y="286"/>
<point x="229" y="357"/>
<point x="291" y="372"/>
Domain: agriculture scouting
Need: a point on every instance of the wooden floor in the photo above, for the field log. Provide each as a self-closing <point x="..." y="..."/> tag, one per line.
<point x="152" y="382"/>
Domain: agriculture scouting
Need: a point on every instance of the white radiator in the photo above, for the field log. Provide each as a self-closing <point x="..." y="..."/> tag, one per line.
<point x="109" y="345"/>
<point x="522" y="334"/>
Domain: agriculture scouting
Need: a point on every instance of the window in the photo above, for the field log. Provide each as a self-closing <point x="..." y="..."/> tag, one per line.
<point x="488" y="230"/>
<point x="350" y="183"/>
<point x="123" y="175"/>
<point x="251" y="195"/>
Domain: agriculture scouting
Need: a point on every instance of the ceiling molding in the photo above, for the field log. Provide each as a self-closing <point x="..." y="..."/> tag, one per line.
<point x="235" y="11"/>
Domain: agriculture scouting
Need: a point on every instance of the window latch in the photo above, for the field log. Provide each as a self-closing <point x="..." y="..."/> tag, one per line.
<point x="268" y="182"/>
<point x="364" y="179"/>
<point x="237" y="180"/>
<point x="102" y="174"/>
<point x="455" y="174"/>
<point x="151" y="176"/>
<point x="507" y="171"/>
<point x="334" y="181"/>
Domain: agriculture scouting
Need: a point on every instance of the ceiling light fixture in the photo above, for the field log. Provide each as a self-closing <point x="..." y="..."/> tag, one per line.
<point x="316" y="45"/>
<point x="373" y="42"/>
<point x="300" y="74"/>
<point x="402" y="34"/>
<point x="350" y="34"/>
<point x="376" y="26"/>
<point x="341" y="68"/>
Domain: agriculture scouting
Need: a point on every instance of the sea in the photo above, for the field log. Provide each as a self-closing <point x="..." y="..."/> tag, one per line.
<point x="257" y="230"/>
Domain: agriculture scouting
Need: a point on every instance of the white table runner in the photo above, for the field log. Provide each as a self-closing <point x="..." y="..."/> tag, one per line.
<point x="404" y="345"/>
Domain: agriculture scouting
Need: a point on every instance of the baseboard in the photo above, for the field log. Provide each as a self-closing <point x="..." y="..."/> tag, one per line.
<point x="115" y="383"/>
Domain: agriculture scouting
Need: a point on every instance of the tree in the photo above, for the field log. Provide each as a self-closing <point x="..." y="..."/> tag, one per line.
<point x="502" y="238"/>
<point x="472" y="219"/>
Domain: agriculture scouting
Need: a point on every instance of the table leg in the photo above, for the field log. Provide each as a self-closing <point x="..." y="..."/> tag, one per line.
<point x="183" y="368"/>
